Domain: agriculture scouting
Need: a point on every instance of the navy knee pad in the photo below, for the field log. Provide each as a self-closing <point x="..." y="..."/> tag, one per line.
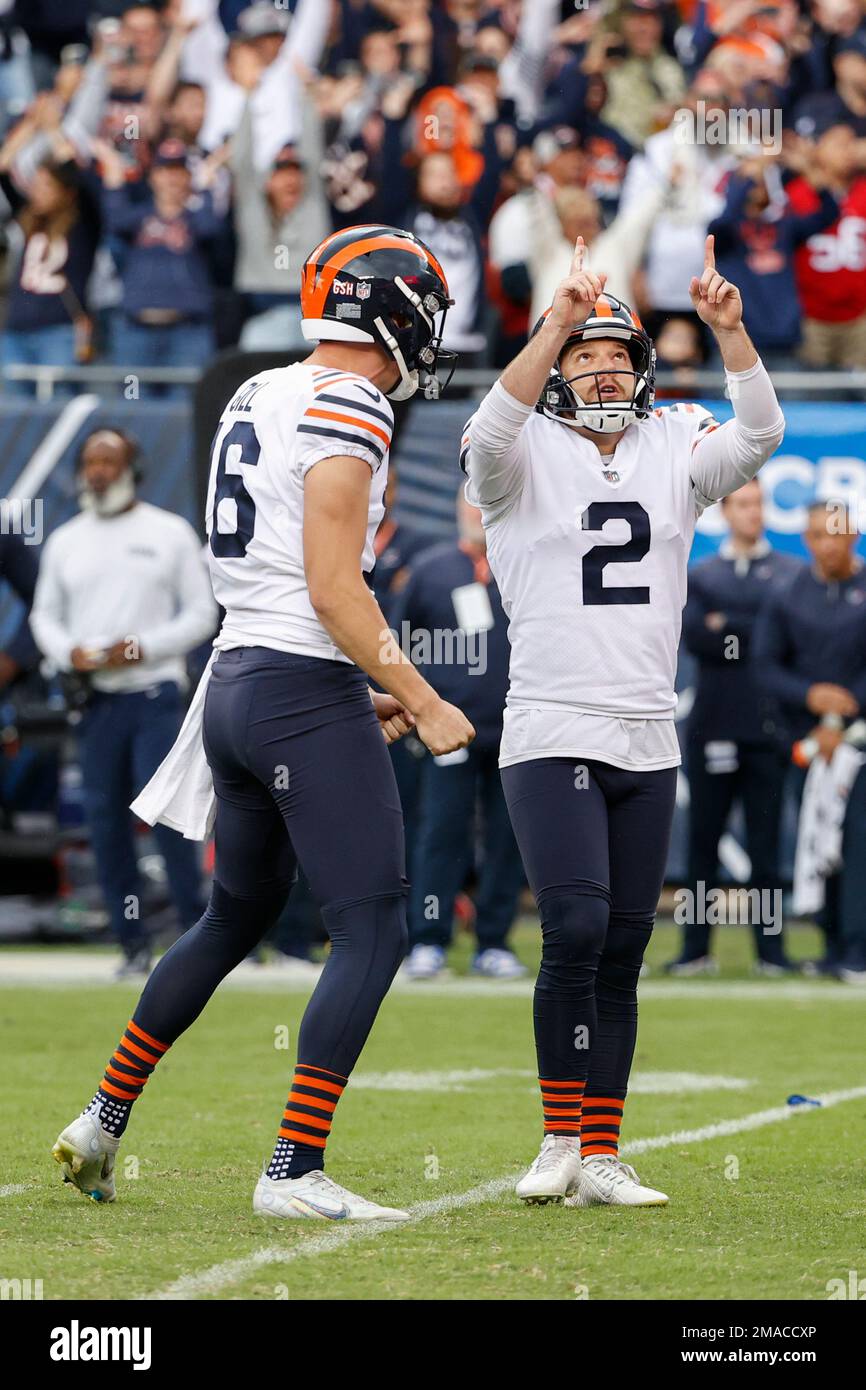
<point x="622" y="958"/>
<point x="244" y="917"/>
<point x="573" y="928"/>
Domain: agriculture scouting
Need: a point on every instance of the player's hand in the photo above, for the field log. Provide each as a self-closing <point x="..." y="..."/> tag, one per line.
<point x="126" y="652"/>
<point x="82" y="660"/>
<point x="394" y="718"/>
<point x="826" y="698"/>
<point x="443" y="727"/>
<point x="828" y="741"/>
<point x="717" y="302"/>
<point x="575" y="296"/>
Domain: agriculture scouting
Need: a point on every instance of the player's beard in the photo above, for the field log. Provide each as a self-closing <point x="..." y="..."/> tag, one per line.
<point x="116" y="497"/>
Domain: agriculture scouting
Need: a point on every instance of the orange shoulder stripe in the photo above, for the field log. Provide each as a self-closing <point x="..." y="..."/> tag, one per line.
<point x="349" y="420"/>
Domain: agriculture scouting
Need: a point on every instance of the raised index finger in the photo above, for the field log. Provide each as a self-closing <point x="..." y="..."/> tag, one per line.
<point x="710" y="253"/>
<point x="579" y="253"/>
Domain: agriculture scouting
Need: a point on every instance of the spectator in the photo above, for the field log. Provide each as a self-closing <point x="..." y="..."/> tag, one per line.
<point x="449" y="212"/>
<point x="16" y="74"/>
<point x="645" y="79"/>
<point x="682" y="350"/>
<point x="810" y="654"/>
<point x="279" y="217"/>
<point x="122" y="596"/>
<point x="166" y="315"/>
<point x="831" y="265"/>
<point x="50" y="25"/>
<point x="846" y="105"/>
<point x="675" y="250"/>
<point x="558" y="162"/>
<point x="616" y="251"/>
<point x="756" y="237"/>
<point x="733" y="749"/>
<point x="451" y="593"/>
<point x="265" y="61"/>
<point x="58" y="222"/>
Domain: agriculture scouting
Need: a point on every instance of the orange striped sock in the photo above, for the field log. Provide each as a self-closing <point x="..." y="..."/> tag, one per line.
<point x="561" y="1103"/>
<point x="303" y="1134"/>
<point x="125" y="1077"/>
<point x="599" y="1125"/>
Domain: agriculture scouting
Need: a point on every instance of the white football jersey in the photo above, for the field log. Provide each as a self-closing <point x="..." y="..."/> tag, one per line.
<point x="590" y="555"/>
<point x="276" y="427"/>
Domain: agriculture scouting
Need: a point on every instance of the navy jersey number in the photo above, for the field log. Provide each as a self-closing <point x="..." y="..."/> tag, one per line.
<point x="243" y="441"/>
<point x="630" y="552"/>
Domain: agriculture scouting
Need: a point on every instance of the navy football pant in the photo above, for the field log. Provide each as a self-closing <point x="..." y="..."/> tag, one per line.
<point x="594" y="842"/>
<point x="302" y="774"/>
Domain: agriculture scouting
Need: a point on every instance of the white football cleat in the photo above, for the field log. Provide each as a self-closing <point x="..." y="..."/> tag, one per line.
<point x="424" y="963"/>
<point x="555" y="1172"/>
<point x="85" y="1152"/>
<point x="607" y="1181"/>
<point x="498" y="964"/>
<point x="316" y="1196"/>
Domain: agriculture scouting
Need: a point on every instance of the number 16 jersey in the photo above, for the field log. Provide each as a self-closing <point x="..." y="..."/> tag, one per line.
<point x="276" y="427"/>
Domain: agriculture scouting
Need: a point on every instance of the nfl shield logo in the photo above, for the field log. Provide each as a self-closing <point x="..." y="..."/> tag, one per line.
<point x="363" y="290"/>
<point x="610" y="475"/>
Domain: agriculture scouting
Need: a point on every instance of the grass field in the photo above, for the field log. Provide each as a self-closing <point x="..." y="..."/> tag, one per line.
<point x="767" y="1202"/>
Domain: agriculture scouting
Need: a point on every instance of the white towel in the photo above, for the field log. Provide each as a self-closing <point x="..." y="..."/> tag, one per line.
<point x="180" y="793"/>
<point x="822" y="820"/>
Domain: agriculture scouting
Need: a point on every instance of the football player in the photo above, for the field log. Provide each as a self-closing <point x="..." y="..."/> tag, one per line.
<point x="590" y="497"/>
<point x="292" y="731"/>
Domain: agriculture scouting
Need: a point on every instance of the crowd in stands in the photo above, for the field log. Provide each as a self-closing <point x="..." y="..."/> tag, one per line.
<point x="166" y="167"/>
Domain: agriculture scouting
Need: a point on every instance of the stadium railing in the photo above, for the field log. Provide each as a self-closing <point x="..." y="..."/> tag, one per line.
<point x="707" y="381"/>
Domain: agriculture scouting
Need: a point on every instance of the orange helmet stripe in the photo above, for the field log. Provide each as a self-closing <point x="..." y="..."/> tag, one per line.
<point x="314" y="293"/>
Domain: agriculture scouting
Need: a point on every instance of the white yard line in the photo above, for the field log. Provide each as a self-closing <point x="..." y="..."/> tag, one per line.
<point x="68" y="969"/>
<point x="13" y="1188"/>
<point x="221" y="1276"/>
<point x="648" y="1083"/>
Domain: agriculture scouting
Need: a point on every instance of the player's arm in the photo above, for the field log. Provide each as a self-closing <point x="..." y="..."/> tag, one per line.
<point x="490" y="452"/>
<point x="725" y="458"/>
<point x="336" y="503"/>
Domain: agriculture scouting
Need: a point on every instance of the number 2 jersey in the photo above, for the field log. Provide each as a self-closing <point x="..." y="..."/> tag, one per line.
<point x="590" y="554"/>
<point x="276" y="427"/>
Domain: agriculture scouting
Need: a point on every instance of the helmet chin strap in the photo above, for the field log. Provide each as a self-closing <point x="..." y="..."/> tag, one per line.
<point x="409" y="381"/>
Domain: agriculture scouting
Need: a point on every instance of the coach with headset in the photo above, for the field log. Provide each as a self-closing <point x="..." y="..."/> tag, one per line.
<point x="122" y="596"/>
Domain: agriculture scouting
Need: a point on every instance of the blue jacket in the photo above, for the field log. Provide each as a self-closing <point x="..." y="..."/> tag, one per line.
<point x="757" y="255"/>
<point x="19" y="567"/>
<point x="164" y="265"/>
<point x="729" y="703"/>
<point x="809" y="632"/>
<point x="426" y="604"/>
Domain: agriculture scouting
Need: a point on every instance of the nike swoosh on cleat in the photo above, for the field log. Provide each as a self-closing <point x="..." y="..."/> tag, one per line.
<point x="307" y="1204"/>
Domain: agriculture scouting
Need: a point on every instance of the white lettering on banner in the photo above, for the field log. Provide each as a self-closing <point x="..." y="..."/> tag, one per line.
<point x="844" y="250"/>
<point x="797" y="480"/>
